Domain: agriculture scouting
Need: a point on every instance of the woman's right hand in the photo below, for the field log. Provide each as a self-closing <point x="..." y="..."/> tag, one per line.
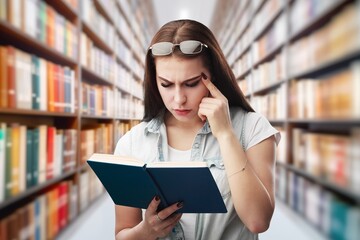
<point x="159" y="224"/>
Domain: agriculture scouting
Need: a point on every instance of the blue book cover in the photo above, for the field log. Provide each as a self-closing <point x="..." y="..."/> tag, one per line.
<point x="130" y="182"/>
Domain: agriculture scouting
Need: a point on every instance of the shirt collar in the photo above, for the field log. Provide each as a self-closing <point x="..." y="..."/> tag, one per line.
<point x="154" y="124"/>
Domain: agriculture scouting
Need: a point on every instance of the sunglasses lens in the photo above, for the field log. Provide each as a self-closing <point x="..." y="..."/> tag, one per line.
<point x="190" y="47"/>
<point x="161" y="48"/>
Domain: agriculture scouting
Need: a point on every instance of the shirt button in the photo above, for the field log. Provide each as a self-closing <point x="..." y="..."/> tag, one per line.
<point x="222" y="164"/>
<point x="196" y="145"/>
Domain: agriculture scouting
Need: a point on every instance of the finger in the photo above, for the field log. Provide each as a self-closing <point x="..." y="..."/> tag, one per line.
<point x="205" y="113"/>
<point x="208" y="105"/>
<point x="214" y="91"/>
<point x="166" y="226"/>
<point x="172" y="222"/>
<point x="154" y="204"/>
<point x="165" y="213"/>
<point x="202" y="116"/>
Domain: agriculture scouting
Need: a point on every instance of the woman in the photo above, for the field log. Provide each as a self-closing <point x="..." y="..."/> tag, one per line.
<point x="195" y="111"/>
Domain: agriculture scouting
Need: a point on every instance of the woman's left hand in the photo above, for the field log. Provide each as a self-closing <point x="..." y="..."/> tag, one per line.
<point x="215" y="109"/>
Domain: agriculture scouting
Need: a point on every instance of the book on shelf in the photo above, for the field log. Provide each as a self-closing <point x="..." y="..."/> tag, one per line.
<point x="131" y="182"/>
<point x="2" y="160"/>
<point x="41" y="218"/>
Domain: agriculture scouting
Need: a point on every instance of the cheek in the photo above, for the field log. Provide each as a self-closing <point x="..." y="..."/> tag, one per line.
<point x="165" y="95"/>
<point x="200" y="95"/>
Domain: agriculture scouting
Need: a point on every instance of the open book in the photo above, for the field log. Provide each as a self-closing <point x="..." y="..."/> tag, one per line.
<point x="132" y="183"/>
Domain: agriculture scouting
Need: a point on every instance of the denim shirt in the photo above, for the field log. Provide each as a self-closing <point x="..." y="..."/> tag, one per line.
<point x="148" y="141"/>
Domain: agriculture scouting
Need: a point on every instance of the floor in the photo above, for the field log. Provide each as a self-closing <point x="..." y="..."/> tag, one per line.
<point x="97" y="222"/>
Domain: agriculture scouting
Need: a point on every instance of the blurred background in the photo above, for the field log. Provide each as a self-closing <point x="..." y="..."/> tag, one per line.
<point x="71" y="75"/>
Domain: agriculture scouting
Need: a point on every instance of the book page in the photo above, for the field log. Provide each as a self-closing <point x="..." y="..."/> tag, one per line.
<point x="115" y="159"/>
<point x="176" y="164"/>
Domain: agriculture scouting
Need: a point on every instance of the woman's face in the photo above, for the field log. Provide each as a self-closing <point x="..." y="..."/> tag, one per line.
<point x="180" y="86"/>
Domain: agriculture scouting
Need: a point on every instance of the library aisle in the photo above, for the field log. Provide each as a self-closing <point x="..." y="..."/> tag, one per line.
<point x="98" y="223"/>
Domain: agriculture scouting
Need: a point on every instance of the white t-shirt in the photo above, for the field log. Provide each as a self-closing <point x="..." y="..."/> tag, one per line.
<point x="187" y="220"/>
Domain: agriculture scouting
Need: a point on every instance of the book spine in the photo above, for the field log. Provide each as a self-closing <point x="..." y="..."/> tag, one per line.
<point x="3" y="16"/>
<point x="3" y="77"/>
<point x="2" y="160"/>
<point x="11" y="77"/>
<point x="22" y="158"/>
<point x="15" y="160"/>
<point x="51" y="87"/>
<point x="8" y="166"/>
<point x="35" y="157"/>
<point x="43" y="85"/>
<point x="29" y="157"/>
<point x="35" y="82"/>
<point x="163" y="202"/>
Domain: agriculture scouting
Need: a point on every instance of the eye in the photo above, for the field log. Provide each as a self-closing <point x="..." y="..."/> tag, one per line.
<point x="193" y="84"/>
<point x="166" y="85"/>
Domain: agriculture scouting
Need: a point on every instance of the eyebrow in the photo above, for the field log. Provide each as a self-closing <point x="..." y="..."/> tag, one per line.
<point x="185" y="81"/>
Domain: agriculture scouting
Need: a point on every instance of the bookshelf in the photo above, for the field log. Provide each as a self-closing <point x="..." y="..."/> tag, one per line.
<point x="298" y="63"/>
<point x="70" y="84"/>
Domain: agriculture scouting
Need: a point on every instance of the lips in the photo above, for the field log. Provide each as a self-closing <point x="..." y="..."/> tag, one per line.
<point x="182" y="111"/>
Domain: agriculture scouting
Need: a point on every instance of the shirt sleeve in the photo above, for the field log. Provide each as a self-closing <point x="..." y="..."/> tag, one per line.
<point x="257" y="129"/>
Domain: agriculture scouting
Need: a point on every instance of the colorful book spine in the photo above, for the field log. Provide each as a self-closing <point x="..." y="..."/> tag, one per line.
<point x="35" y="76"/>
<point x="29" y="157"/>
<point x="2" y="160"/>
<point x="35" y="157"/>
<point x="11" y="77"/>
<point x="3" y="77"/>
<point x="8" y="164"/>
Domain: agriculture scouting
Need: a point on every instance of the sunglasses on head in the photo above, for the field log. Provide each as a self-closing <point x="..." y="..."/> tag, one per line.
<point x="188" y="47"/>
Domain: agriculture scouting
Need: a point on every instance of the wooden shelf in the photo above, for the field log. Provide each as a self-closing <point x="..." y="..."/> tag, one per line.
<point x="266" y="89"/>
<point x="64" y="9"/>
<point x="244" y="74"/>
<point x="318" y="21"/>
<point x="325" y="121"/>
<point x="242" y="31"/>
<point x="90" y="76"/>
<point x="99" y="42"/>
<point x="103" y="11"/>
<point x="31" y="45"/>
<point x="329" y="66"/>
<point x="269" y="24"/>
<point x="37" y="113"/>
<point x="11" y="204"/>
<point x="341" y="190"/>
<point x="96" y="117"/>
<point x="275" y="50"/>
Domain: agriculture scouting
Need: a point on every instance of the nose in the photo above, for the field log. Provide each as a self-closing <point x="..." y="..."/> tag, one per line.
<point x="179" y="96"/>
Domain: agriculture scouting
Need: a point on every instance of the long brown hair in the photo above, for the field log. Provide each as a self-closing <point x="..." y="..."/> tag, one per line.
<point x="213" y="57"/>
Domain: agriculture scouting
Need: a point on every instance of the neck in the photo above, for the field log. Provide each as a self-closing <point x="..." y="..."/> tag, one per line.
<point x="171" y="121"/>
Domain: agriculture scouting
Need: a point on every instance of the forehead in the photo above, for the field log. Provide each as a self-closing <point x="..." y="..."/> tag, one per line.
<point x="174" y="65"/>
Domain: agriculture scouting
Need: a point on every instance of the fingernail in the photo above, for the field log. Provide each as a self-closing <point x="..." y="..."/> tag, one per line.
<point x="203" y="75"/>
<point x="180" y="204"/>
<point x="157" y="198"/>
